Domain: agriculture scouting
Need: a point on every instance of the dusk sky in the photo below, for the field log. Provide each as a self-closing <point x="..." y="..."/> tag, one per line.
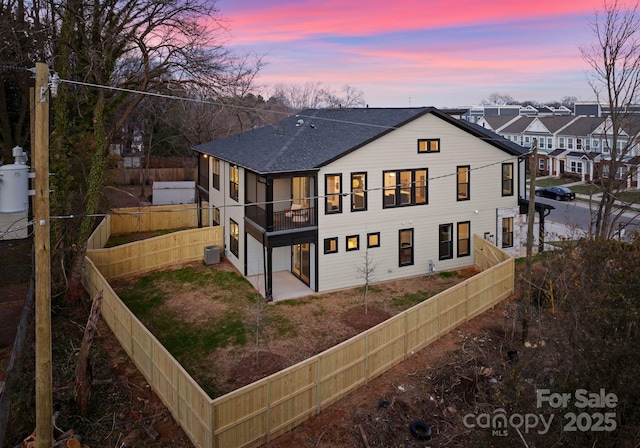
<point x="439" y="53"/>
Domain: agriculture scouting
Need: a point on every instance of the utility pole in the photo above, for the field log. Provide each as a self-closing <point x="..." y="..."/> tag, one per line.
<point x="44" y="393"/>
<point x="533" y="171"/>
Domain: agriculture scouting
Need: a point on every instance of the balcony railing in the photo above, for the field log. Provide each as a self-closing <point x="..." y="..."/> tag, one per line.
<point x="288" y="219"/>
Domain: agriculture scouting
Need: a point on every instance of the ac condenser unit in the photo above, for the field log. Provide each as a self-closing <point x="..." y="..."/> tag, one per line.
<point x="211" y="255"/>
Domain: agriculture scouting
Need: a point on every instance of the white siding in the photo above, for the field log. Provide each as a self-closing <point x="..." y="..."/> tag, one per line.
<point x="398" y="150"/>
<point x="230" y="209"/>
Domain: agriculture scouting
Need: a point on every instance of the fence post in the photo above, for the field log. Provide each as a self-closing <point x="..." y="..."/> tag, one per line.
<point x="318" y="384"/>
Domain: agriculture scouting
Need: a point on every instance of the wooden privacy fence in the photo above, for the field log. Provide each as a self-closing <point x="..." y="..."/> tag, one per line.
<point x="263" y="410"/>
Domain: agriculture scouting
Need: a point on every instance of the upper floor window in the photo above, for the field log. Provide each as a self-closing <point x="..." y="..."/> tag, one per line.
<point x="570" y="143"/>
<point x="358" y="191"/>
<point x="578" y="143"/>
<point x="215" y="168"/>
<point x="233" y="182"/>
<point x="333" y="197"/>
<point x="234" y="237"/>
<point x="407" y="187"/>
<point x="429" y="145"/>
<point x="203" y="171"/>
<point x="463" y="184"/>
<point x="406" y="247"/>
<point x="561" y="142"/>
<point x="507" y="179"/>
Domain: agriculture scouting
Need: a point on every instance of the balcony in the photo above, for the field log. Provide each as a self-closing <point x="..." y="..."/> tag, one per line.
<point x="291" y="218"/>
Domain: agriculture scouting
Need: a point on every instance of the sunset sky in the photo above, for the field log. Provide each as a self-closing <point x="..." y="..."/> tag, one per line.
<point x="420" y="52"/>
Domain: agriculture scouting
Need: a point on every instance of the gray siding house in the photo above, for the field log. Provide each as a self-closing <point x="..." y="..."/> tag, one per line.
<point x="321" y="191"/>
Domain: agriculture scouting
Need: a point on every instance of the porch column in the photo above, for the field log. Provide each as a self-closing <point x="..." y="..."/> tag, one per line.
<point x="268" y="293"/>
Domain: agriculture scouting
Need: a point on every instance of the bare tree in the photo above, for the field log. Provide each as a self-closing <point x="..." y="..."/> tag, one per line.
<point x="124" y="46"/>
<point x="499" y="99"/>
<point x="366" y="272"/>
<point x="614" y="59"/>
<point x="314" y="95"/>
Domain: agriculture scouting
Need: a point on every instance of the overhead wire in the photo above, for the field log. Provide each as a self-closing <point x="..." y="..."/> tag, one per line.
<point x="254" y="109"/>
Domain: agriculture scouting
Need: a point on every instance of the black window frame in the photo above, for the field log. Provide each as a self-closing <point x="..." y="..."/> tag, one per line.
<point x="392" y="196"/>
<point x="328" y="195"/>
<point x="445" y="243"/>
<point x="215" y="216"/>
<point x="357" y="239"/>
<point x="359" y="188"/>
<point x="234" y="187"/>
<point x="328" y="250"/>
<point x="467" y="169"/>
<point x="459" y="253"/>
<point x="215" y="170"/>
<point x="371" y="234"/>
<point x="427" y="144"/>
<point x="507" y="181"/>
<point x="406" y="252"/>
<point x="234" y="240"/>
<point x="509" y="233"/>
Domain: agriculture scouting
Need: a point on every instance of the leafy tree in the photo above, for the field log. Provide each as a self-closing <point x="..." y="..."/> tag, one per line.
<point x="614" y="59"/>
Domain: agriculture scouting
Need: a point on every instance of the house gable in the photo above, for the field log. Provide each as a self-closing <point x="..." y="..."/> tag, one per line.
<point x="316" y="137"/>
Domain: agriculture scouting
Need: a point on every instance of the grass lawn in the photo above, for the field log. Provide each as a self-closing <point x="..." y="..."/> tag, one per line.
<point x="548" y="182"/>
<point x="211" y="319"/>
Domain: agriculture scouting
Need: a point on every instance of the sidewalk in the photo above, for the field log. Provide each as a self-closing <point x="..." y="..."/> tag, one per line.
<point x="595" y="198"/>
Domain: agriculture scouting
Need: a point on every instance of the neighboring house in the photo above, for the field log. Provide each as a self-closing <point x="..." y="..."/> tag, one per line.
<point x="576" y="151"/>
<point x="318" y="192"/>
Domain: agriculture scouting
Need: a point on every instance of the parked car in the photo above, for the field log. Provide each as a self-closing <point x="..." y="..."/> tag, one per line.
<point x="557" y="193"/>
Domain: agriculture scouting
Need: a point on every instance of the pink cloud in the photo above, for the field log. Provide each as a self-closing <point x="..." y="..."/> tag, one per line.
<point x="278" y="22"/>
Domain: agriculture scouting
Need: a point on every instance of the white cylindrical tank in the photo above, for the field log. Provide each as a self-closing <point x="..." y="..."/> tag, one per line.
<point x="14" y="188"/>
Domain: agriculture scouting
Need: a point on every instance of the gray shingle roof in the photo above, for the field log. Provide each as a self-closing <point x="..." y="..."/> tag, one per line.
<point x="315" y="137"/>
<point x="555" y="123"/>
<point x="518" y="126"/>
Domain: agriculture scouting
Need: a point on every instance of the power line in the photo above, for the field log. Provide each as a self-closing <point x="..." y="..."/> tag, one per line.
<point x="245" y="108"/>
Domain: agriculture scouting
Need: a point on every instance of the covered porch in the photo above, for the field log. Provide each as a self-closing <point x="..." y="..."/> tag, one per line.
<point x="285" y="286"/>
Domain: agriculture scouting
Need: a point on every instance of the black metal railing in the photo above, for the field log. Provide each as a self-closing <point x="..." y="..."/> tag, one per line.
<point x="288" y="219"/>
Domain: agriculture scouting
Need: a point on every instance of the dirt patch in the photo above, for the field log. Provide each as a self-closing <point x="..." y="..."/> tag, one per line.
<point x="253" y="367"/>
<point x="361" y="318"/>
<point x="281" y="333"/>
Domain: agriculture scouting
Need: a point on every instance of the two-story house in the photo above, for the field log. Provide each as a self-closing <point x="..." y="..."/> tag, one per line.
<point x="322" y="191"/>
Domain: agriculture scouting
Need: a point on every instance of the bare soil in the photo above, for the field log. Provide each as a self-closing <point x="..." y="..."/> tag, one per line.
<point x="434" y="385"/>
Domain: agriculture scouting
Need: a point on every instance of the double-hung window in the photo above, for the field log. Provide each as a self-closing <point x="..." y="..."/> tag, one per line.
<point x="215" y="162"/>
<point x="445" y="240"/>
<point x="358" y="192"/>
<point x="463" y="183"/>
<point x="507" y="179"/>
<point x="233" y="182"/>
<point x="234" y="237"/>
<point x="507" y="232"/>
<point x="464" y="239"/>
<point x="406" y="247"/>
<point x="333" y="196"/>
